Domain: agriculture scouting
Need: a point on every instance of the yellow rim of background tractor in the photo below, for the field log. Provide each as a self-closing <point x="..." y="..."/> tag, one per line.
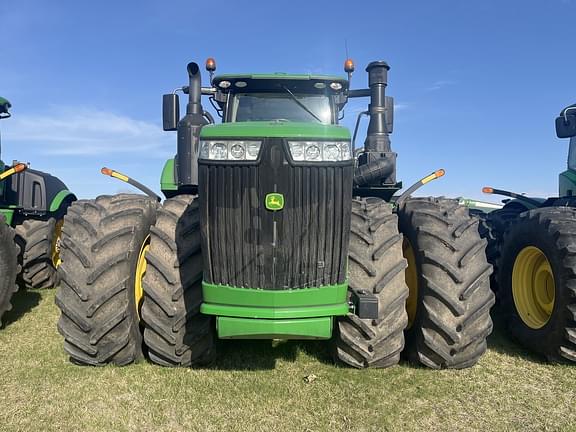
<point x="55" y="253"/>
<point x="140" y="272"/>
<point x="411" y="275"/>
<point x="533" y="287"/>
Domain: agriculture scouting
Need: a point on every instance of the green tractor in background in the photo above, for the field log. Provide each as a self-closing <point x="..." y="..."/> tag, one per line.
<point x="275" y="227"/>
<point x="32" y="208"/>
<point x="532" y="245"/>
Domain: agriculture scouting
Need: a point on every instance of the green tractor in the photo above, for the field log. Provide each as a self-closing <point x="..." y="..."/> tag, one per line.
<point x="532" y="245"/>
<point x="32" y="208"/>
<point x="275" y="227"/>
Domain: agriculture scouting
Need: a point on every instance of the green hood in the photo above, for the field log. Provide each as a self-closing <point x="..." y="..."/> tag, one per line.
<point x="275" y="129"/>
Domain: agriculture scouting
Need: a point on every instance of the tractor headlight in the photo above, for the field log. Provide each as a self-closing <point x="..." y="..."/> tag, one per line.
<point x="320" y="151"/>
<point x="229" y="150"/>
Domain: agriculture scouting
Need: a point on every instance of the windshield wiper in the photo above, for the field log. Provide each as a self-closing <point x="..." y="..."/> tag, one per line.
<point x="301" y="105"/>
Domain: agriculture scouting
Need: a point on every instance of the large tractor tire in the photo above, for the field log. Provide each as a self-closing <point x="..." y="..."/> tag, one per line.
<point x="8" y="267"/>
<point x="102" y="243"/>
<point x="448" y="277"/>
<point x="375" y="265"/>
<point x="175" y="332"/>
<point x="39" y="245"/>
<point x="538" y="282"/>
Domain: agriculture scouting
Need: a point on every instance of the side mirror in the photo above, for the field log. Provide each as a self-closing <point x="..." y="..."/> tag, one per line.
<point x="389" y="113"/>
<point x="170" y="112"/>
<point x="566" y="126"/>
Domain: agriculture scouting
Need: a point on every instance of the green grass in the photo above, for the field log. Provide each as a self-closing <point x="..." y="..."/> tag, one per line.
<point x="258" y="386"/>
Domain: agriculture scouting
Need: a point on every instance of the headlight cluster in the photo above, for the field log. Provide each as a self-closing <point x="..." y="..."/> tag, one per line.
<point x="229" y="150"/>
<point x="320" y="151"/>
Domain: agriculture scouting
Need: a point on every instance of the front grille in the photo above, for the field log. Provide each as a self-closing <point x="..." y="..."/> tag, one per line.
<point x="303" y="245"/>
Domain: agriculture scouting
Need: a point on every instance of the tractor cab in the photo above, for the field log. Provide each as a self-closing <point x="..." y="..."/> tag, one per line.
<point x="280" y="97"/>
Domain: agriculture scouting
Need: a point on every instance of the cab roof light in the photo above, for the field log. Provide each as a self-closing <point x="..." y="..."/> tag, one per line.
<point x="349" y="66"/>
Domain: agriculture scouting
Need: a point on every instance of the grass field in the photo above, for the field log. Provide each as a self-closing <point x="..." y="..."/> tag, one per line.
<point x="260" y="386"/>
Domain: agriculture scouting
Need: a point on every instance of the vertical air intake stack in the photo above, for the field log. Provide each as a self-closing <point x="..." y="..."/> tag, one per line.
<point x="377" y="139"/>
<point x="377" y="164"/>
<point x="189" y="131"/>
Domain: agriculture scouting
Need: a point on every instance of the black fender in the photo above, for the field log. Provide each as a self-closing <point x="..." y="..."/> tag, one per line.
<point x="36" y="193"/>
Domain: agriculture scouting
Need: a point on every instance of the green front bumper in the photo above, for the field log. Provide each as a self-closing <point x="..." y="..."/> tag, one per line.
<point x="275" y="314"/>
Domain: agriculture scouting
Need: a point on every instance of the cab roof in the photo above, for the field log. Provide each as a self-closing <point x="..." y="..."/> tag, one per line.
<point x="272" y="81"/>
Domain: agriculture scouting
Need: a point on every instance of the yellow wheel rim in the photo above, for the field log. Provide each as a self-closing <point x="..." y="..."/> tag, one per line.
<point x="411" y="275"/>
<point x="56" y="239"/>
<point x="533" y="287"/>
<point x="140" y="272"/>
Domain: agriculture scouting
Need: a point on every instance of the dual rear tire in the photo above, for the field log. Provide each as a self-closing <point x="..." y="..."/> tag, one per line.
<point x="440" y="304"/>
<point x="124" y="275"/>
<point x="101" y="243"/>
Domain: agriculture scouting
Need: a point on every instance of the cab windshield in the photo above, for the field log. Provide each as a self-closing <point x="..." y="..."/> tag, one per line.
<point x="287" y="106"/>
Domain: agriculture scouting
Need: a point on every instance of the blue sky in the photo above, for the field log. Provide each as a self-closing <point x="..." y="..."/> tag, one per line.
<point x="477" y="83"/>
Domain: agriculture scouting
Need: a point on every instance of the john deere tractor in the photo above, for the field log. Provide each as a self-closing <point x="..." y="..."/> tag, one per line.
<point x="275" y="227"/>
<point x="533" y="244"/>
<point x="33" y="203"/>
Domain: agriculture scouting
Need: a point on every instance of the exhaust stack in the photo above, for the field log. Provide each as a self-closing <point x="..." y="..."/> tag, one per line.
<point x="377" y="139"/>
<point x="189" y="131"/>
<point x="377" y="164"/>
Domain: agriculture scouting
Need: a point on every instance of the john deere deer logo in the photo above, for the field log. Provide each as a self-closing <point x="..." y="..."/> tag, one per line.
<point x="274" y="201"/>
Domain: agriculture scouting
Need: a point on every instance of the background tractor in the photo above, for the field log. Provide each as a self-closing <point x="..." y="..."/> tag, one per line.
<point x="33" y="203"/>
<point x="275" y="227"/>
<point x="532" y="245"/>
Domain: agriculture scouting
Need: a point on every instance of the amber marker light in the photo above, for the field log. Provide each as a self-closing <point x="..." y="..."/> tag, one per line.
<point x="487" y="190"/>
<point x="210" y="64"/>
<point x="439" y="173"/>
<point x="349" y="66"/>
<point x="20" y="167"/>
<point x="435" y="175"/>
<point x="106" y="171"/>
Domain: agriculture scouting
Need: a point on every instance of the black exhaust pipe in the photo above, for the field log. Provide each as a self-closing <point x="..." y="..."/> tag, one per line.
<point x="189" y="132"/>
<point x="377" y="164"/>
<point x="377" y="139"/>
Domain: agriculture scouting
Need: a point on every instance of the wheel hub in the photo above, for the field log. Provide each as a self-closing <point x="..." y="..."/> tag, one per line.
<point x="411" y="275"/>
<point x="140" y="272"/>
<point x="533" y="287"/>
<point x="56" y="240"/>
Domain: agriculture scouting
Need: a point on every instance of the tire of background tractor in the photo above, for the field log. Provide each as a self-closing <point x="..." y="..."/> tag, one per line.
<point x="101" y="241"/>
<point x="175" y="332"/>
<point x="37" y="240"/>
<point x="492" y="227"/>
<point x="8" y="267"/>
<point x="375" y="265"/>
<point x="448" y="277"/>
<point x="538" y="281"/>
